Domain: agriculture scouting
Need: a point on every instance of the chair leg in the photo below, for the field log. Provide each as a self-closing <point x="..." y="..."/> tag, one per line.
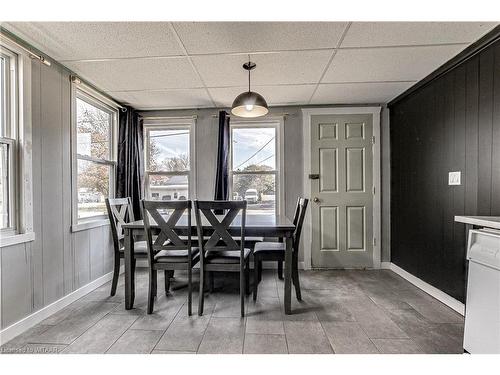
<point x="168" y="275"/>
<point x="256" y="262"/>
<point x="259" y="266"/>
<point x="155" y="284"/>
<point x="151" y="290"/>
<point x="242" y="291"/>
<point x="200" y="292"/>
<point x="280" y="270"/>
<point x="190" y="290"/>
<point x="247" y="278"/>
<point x="295" y="275"/>
<point x="116" y="275"/>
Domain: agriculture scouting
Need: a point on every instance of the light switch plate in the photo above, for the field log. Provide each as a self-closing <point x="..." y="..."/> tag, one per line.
<point x="454" y="178"/>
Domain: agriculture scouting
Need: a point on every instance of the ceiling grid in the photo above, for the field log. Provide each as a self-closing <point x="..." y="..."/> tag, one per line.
<point x="171" y="65"/>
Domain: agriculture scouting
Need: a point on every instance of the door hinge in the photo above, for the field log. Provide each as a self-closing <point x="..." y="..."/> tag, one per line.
<point x="373" y="190"/>
<point x="373" y="140"/>
<point x="374" y="242"/>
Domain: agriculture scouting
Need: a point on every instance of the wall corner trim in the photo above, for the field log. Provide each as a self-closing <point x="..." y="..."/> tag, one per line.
<point x="441" y="296"/>
<point x="30" y="321"/>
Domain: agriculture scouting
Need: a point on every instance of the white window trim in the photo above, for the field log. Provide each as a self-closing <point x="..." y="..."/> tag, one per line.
<point x="21" y="115"/>
<point x="278" y="122"/>
<point x="12" y="186"/>
<point x="189" y="122"/>
<point x="94" y="98"/>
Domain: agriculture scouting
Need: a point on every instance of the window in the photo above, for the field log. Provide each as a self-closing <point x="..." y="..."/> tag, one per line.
<point x="169" y="154"/>
<point x="255" y="165"/>
<point x="16" y="208"/>
<point x="94" y="157"/>
<point x="8" y="142"/>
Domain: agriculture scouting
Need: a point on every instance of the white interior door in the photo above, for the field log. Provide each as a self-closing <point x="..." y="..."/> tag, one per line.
<point x="341" y="191"/>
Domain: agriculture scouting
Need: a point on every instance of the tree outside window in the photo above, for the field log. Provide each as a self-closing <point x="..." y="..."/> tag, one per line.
<point x="95" y="165"/>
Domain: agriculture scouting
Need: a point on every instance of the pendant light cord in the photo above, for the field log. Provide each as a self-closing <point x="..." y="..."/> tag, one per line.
<point x="249" y="76"/>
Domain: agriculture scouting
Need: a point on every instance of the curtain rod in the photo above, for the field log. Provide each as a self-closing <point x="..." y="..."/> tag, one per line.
<point x="270" y="114"/>
<point x="32" y="54"/>
<point x="78" y="81"/>
<point x="12" y="38"/>
<point x="170" y="117"/>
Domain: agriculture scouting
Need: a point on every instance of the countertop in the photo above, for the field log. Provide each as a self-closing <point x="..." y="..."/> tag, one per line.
<point x="481" y="221"/>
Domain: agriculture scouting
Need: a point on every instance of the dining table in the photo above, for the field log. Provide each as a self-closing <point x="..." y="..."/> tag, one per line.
<point x="257" y="225"/>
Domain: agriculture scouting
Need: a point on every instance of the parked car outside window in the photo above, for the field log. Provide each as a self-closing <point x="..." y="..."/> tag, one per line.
<point x="251" y="196"/>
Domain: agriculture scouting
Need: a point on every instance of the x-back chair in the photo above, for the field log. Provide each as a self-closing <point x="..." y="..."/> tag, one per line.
<point x="275" y="251"/>
<point x="221" y="252"/>
<point x="167" y="251"/>
<point x="120" y="212"/>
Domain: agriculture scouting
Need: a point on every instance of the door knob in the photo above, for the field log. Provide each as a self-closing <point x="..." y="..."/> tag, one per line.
<point x="316" y="200"/>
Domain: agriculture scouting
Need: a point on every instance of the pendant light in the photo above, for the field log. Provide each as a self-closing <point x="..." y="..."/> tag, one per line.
<point x="249" y="103"/>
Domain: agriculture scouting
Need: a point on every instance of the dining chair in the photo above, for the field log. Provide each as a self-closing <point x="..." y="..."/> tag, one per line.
<point x="221" y="252"/>
<point x="165" y="249"/>
<point x="275" y="251"/>
<point x="120" y="212"/>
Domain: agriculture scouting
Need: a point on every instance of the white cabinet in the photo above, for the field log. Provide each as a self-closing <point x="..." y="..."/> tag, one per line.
<point x="482" y="309"/>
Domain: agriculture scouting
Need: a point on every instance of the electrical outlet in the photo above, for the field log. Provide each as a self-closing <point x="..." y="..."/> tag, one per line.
<point x="454" y="178"/>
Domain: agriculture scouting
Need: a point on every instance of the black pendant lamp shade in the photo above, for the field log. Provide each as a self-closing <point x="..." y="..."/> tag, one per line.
<point x="249" y="103"/>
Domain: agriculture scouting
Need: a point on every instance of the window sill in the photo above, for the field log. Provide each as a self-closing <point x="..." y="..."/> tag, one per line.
<point x="85" y="225"/>
<point x="17" y="239"/>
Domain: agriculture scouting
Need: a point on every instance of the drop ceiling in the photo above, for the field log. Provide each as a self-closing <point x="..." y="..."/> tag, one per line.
<point x="165" y="65"/>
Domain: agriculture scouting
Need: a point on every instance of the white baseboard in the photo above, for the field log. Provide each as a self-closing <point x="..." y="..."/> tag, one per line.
<point x="24" y="324"/>
<point x="385" y="265"/>
<point x="441" y="296"/>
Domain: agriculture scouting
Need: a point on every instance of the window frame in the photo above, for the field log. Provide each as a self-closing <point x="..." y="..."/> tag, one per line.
<point x="8" y="134"/>
<point x="17" y="133"/>
<point x="90" y="96"/>
<point x="10" y="230"/>
<point x="9" y="121"/>
<point x="171" y="123"/>
<point x="267" y="122"/>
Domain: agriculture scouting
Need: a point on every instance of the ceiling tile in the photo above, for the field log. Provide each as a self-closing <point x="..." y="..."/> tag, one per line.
<point x="95" y="40"/>
<point x="274" y="95"/>
<point x="370" y="34"/>
<point x="138" y="74"/>
<point x="272" y="68"/>
<point x="226" y="37"/>
<point x="388" y="64"/>
<point x="164" y="99"/>
<point x="358" y="93"/>
<point x="290" y="56"/>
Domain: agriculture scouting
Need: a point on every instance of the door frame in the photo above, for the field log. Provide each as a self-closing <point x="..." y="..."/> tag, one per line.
<point x="306" y="146"/>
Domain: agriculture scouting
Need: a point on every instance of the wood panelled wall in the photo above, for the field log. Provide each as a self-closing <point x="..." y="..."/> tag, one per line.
<point x="58" y="262"/>
<point x="450" y="124"/>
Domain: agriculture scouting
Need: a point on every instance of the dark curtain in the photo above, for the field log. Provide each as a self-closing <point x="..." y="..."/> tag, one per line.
<point x="130" y="168"/>
<point x="221" y="178"/>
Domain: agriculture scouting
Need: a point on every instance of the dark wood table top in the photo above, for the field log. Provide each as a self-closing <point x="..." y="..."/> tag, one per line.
<point x="259" y="225"/>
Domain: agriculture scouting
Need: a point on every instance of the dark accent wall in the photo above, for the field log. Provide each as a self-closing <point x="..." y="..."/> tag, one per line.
<point x="450" y="124"/>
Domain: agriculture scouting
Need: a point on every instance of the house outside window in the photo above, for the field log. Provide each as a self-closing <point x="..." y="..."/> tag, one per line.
<point x="169" y="156"/>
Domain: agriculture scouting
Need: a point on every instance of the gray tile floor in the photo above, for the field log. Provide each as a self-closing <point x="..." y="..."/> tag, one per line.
<point x="341" y="312"/>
